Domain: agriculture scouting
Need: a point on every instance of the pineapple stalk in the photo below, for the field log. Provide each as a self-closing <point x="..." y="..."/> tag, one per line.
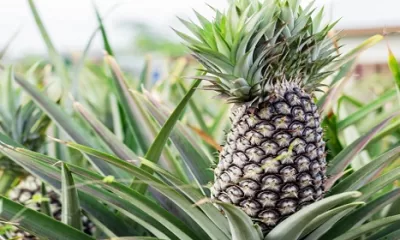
<point x="267" y="58"/>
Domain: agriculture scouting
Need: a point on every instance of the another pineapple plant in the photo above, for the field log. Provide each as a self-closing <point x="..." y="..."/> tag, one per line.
<point x="26" y="125"/>
<point x="267" y="58"/>
<point x="29" y="192"/>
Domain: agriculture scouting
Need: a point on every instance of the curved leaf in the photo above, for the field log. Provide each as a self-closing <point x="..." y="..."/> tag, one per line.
<point x="293" y="226"/>
<point x="366" y="228"/>
<point x="191" y="152"/>
<point x="141" y="201"/>
<point x="155" y="150"/>
<point x="357" y="179"/>
<point x="343" y="159"/>
<point x="362" y="214"/>
<point x="71" y="211"/>
<point x="119" y="149"/>
<point x="316" y="222"/>
<point x="242" y="227"/>
<point x="64" y="121"/>
<point x="192" y="194"/>
<point x="36" y="223"/>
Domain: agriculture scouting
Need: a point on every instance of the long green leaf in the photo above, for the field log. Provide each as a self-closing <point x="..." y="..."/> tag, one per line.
<point x="36" y="223"/>
<point x="135" y="238"/>
<point x="326" y="102"/>
<point x="196" y="111"/>
<point x="55" y="57"/>
<point x="362" y="214"/>
<point x="45" y="205"/>
<point x="71" y="211"/>
<point x="191" y="193"/>
<point x="394" y="67"/>
<point x="354" y="53"/>
<point x="119" y="149"/>
<point x="366" y="228"/>
<point x="62" y="119"/>
<point x="155" y="150"/>
<point x="136" y="121"/>
<point x="390" y="232"/>
<point x="191" y="152"/>
<point x="355" y="180"/>
<point x="136" y="201"/>
<point x="91" y="205"/>
<point x="361" y="113"/>
<point x="242" y="227"/>
<point x="371" y="188"/>
<point x="293" y="226"/>
<point x="106" y="43"/>
<point x="343" y="159"/>
<point x="157" y="184"/>
<point x="319" y="220"/>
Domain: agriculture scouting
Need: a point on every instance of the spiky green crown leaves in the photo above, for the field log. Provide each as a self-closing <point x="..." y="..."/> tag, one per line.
<point x="255" y="45"/>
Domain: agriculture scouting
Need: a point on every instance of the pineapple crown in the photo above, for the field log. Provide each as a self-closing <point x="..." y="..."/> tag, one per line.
<point x="255" y="45"/>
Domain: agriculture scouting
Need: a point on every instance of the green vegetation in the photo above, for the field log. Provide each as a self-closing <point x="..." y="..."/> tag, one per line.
<point x="104" y="154"/>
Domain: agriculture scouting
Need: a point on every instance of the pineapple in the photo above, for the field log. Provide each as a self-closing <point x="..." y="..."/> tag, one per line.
<point x="267" y="58"/>
<point x="25" y="193"/>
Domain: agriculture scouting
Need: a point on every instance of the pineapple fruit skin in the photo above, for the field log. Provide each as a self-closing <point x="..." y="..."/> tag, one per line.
<point x="273" y="162"/>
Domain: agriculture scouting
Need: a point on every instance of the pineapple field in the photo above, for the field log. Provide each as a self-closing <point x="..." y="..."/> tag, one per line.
<point x="255" y="129"/>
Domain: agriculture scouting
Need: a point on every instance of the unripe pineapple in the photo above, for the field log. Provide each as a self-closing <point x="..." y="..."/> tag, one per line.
<point x="267" y="58"/>
<point x="25" y="194"/>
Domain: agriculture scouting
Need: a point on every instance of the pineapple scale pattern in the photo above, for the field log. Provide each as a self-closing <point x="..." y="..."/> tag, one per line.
<point x="25" y="191"/>
<point x="273" y="162"/>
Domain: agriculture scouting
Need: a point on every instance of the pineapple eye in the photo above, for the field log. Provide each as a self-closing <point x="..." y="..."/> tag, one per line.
<point x="265" y="130"/>
<point x="282" y="122"/>
<point x="254" y="137"/>
<point x="265" y="113"/>
<point x="307" y="194"/>
<point x="282" y="108"/>
<point x="225" y="177"/>
<point x="224" y="198"/>
<point x="268" y="199"/>
<point x="283" y="139"/>
<point x="269" y="147"/>
<point x="251" y="207"/>
<point x="290" y="191"/>
<point x="302" y="163"/>
<point x="287" y="206"/>
<point x="296" y="129"/>
<point x="254" y="154"/>
<point x="271" y="183"/>
<point x="235" y="192"/>
<point x="293" y="98"/>
<point x="269" y="217"/>
<point x="305" y="180"/>
<point x="307" y="105"/>
<point x="298" y="114"/>
<point x="289" y="174"/>
<point x="318" y="181"/>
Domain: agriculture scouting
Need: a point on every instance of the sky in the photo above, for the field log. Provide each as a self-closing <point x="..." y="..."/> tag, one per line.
<point x="71" y="22"/>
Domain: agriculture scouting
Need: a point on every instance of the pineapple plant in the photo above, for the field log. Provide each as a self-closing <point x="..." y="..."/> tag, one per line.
<point x="267" y="58"/>
<point x="24" y="123"/>
<point x="148" y="172"/>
